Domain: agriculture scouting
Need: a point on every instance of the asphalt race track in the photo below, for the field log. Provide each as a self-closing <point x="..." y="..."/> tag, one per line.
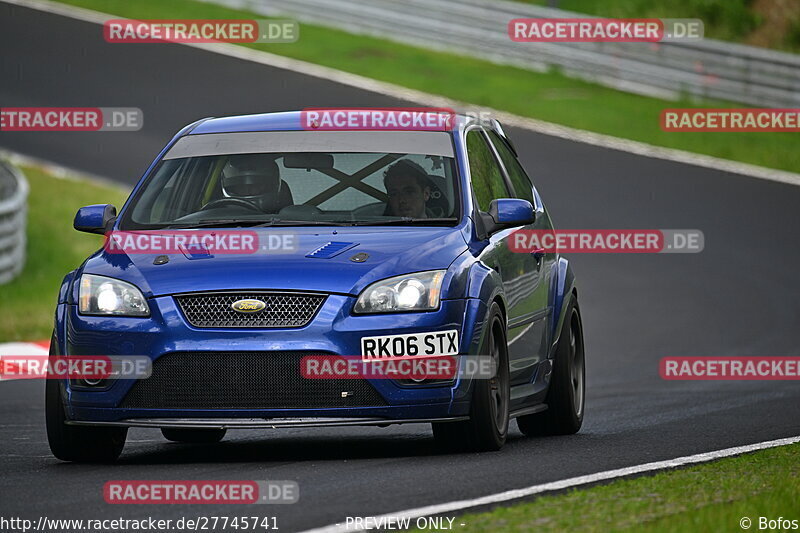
<point x="737" y="297"/>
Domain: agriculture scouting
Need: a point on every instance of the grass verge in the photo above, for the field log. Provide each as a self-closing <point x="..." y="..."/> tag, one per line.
<point x="28" y="302"/>
<point x="709" y="497"/>
<point x="766" y="23"/>
<point x="547" y="96"/>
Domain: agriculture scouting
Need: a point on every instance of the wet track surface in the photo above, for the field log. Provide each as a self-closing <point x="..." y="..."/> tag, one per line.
<point x="737" y="297"/>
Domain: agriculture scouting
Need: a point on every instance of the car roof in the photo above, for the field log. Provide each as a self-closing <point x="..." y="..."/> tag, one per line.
<point x="281" y="121"/>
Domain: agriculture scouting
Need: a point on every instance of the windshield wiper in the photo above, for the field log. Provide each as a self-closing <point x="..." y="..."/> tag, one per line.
<point x="218" y="223"/>
<point x="284" y="222"/>
<point x="234" y="222"/>
<point x="407" y="221"/>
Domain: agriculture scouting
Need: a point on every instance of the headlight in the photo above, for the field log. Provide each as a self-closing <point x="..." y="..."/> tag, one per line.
<point x="100" y="295"/>
<point x="411" y="292"/>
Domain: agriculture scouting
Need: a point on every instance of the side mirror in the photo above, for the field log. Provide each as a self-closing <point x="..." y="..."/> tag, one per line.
<point x="507" y="213"/>
<point x="95" y="218"/>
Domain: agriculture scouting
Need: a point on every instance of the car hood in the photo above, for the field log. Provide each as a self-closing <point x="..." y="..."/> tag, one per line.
<point x="390" y="251"/>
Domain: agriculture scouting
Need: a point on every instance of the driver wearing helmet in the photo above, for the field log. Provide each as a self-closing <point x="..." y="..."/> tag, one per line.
<point x="256" y="179"/>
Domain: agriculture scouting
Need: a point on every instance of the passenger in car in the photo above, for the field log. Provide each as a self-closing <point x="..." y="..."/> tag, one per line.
<point x="408" y="188"/>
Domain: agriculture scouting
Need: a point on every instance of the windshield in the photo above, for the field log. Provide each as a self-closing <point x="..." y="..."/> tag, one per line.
<point x="297" y="188"/>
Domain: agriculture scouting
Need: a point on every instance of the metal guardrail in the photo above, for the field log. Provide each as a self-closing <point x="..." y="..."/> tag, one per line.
<point x="706" y="68"/>
<point x="519" y="288"/>
<point x="13" y="214"/>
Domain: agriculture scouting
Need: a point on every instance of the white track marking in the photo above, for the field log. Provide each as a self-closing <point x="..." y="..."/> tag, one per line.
<point x="421" y="98"/>
<point x="509" y="495"/>
<point x="58" y="171"/>
<point x="21" y="348"/>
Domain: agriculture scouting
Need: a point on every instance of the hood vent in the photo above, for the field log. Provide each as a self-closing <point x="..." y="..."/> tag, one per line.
<point x="331" y="249"/>
<point x="196" y="251"/>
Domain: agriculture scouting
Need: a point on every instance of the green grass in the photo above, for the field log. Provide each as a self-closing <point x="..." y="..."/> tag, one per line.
<point x="708" y="497"/>
<point x="28" y="302"/>
<point x="547" y="96"/>
<point x="729" y="20"/>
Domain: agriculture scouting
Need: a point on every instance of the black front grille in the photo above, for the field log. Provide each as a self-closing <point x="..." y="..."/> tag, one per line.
<point x="283" y="310"/>
<point x="243" y="380"/>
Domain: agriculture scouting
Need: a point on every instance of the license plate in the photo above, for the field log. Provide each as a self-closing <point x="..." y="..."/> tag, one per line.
<point x="438" y="343"/>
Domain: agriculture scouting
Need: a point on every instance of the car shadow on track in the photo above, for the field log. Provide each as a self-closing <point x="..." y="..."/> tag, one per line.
<point x="261" y="448"/>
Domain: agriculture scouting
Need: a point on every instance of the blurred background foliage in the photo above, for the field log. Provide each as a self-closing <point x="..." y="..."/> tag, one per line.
<point x="765" y="23"/>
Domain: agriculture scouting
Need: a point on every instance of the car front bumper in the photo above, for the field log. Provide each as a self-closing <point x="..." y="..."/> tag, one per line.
<point x="334" y="330"/>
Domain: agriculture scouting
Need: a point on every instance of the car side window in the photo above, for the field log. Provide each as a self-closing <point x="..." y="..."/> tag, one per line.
<point x="487" y="178"/>
<point x="519" y="179"/>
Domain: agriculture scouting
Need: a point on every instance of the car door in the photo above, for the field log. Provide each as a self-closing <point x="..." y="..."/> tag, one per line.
<point x="520" y="272"/>
<point x="529" y="334"/>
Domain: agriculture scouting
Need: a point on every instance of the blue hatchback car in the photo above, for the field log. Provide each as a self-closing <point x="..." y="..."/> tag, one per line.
<point x="366" y="239"/>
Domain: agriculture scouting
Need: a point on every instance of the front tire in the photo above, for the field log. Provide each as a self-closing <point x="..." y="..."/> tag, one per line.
<point x="83" y="444"/>
<point x="567" y="392"/>
<point x="487" y="427"/>
<point x="195" y="435"/>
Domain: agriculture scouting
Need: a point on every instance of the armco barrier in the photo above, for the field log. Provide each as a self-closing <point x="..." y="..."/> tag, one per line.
<point x="13" y="213"/>
<point x="707" y="68"/>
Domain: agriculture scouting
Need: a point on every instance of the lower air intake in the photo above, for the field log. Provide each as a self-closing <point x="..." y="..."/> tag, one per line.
<point x="243" y="380"/>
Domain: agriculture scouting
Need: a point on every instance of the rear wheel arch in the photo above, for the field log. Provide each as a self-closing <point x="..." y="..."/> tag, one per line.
<point x="565" y="293"/>
<point x="502" y="304"/>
